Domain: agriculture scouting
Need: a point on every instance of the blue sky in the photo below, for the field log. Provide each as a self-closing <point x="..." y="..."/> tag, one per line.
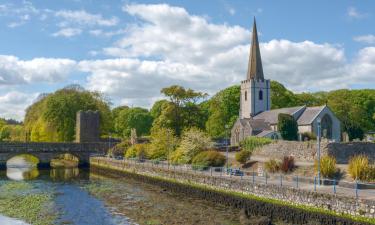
<point x="129" y="50"/>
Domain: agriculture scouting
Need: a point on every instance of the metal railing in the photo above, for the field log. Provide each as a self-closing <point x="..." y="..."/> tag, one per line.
<point x="356" y="189"/>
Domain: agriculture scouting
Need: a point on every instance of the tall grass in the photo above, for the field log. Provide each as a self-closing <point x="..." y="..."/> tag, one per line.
<point x="359" y="168"/>
<point x="251" y="143"/>
<point x="327" y="166"/>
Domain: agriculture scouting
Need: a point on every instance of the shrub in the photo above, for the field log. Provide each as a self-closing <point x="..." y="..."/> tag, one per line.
<point x="307" y="136"/>
<point x="359" y="167"/>
<point x="193" y="141"/>
<point x="272" y="166"/>
<point x="287" y="127"/>
<point x="327" y="166"/>
<point x="209" y="158"/>
<point x="119" y="149"/>
<point x="251" y="143"/>
<point x="242" y="156"/>
<point x="287" y="164"/>
<point x="137" y="151"/>
<point x="163" y="141"/>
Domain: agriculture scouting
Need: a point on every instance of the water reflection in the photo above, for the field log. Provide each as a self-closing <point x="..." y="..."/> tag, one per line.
<point x="63" y="174"/>
<point x="22" y="173"/>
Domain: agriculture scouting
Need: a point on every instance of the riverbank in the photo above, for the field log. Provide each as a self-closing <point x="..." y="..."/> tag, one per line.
<point x="253" y="198"/>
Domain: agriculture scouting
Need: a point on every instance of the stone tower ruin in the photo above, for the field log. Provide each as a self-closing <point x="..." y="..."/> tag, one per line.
<point x="87" y="126"/>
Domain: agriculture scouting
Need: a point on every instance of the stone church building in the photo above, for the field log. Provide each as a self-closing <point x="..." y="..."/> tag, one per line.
<point x="256" y="117"/>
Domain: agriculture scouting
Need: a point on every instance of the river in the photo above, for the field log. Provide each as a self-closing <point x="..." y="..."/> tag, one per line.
<point x="79" y="196"/>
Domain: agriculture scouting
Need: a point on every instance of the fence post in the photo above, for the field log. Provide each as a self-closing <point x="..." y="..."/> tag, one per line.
<point x="266" y="177"/>
<point x="334" y="186"/>
<point x="281" y="180"/>
<point x="314" y="183"/>
<point x="253" y="177"/>
<point x="356" y="189"/>
<point x="211" y="171"/>
<point x="297" y="180"/>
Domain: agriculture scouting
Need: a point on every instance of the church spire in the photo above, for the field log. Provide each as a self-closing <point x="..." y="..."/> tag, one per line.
<point x="255" y="69"/>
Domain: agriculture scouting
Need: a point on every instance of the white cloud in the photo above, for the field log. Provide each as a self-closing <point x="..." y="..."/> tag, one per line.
<point x="232" y="11"/>
<point x="14" y="103"/>
<point x="67" y="32"/>
<point x="355" y="14"/>
<point x="83" y="18"/>
<point x="20" y="13"/>
<point x="368" y="39"/>
<point x="188" y="50"/>
<point x="14" y="71"/>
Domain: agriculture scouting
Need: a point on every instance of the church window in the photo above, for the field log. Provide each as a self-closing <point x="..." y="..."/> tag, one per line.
<point x="260" y="95"/>
<point x="245" y="95"/>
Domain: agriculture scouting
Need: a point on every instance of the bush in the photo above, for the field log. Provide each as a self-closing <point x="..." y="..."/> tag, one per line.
<point x="272" y="166"/>
<point x="251" y="143"/>
<point x="209" y="158"/>
<point x="287" y="127"/>
<point x="307" y="136"/>
<point x="242" y="156"/>
<point x="137" y="151"/>
<point x="163" y="141"/>
<point x="287" y="164"/>
<point x="359" y="168"/>
<point x="327" y="166"/>
<point x="193" y="141"/>
<point x="119" y="149"/>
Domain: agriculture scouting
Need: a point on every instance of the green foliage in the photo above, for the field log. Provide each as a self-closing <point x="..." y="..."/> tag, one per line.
<point x="327" y="166"/>
<point x="137" y="151"/>
<point x="251" y="143"/>
<point x="223" y="110"/>
<point x="242" y="156"/>
<point x="193" y="141"/>
<point x="120" y="148"/>
<point x="282" y="97"/>
<point x="181" y="111"/>
<point x="209" y="158"/>
<point x="129" y="118"/>
<point x="53" y="117"/>
<point x="163" y="142"/>
<point x="272" y="166"/>
<point x="157" y="108"/>
<point x="354" y="131"/>
<point x="287" y="127"/>
<point x="360" y="169"/>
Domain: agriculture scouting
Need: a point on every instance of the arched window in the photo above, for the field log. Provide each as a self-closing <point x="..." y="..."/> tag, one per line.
<point x="260" y="95"/>
<point x="245" y="95"/>
<point x="326" y="127"/>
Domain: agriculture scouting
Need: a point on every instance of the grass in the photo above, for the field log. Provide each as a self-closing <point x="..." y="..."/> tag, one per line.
<point x="249" y="196"/>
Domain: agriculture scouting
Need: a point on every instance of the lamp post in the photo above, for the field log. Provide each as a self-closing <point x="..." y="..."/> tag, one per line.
<point x="227" y="144"/>
<point x="318" y="139"/>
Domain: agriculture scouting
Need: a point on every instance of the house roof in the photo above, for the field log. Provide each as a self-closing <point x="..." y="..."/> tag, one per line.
<point x="264" y="133"/>
<point x="271" y="116"/>
<point x="309" y="115"/>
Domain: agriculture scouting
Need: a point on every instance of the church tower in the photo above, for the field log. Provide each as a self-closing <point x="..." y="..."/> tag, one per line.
<point x="255" y="90"/>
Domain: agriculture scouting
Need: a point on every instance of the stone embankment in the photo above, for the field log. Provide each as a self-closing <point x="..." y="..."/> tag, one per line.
<point x="307" y="150"/>
<point x="290" y="195"/>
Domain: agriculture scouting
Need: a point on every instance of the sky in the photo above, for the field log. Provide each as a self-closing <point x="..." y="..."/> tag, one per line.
<point x="129" y="50"/>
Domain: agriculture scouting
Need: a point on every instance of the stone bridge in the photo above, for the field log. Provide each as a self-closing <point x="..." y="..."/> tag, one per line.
<point x="45" y="151"/>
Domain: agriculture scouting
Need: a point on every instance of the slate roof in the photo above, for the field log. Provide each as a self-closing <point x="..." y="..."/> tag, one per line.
<point x="309" y="115"/>
<point x="264" y="133"/>
<point x="271" y="116"/>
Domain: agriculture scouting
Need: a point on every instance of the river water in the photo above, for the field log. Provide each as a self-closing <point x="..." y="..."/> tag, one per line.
<point x="79" y="196"/>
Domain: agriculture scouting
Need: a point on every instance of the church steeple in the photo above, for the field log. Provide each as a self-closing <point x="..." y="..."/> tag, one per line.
<point x="255" y="69"/>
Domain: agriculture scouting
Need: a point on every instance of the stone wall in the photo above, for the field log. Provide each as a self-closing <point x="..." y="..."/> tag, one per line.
<point x="340" y="204"/>
<point x="307" y="151"/>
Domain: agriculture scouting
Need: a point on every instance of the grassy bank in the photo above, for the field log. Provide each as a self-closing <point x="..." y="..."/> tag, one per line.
<point x="241" y="200"/>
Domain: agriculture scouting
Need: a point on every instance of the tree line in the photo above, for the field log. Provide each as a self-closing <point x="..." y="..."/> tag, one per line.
<point x="52" y="116"/>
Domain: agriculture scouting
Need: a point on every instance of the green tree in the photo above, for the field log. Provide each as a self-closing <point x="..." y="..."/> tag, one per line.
<point x="137" y="118"/>
<point x="181" y="111"/>
<point x="53" y="116"/>
<point x="223" y="109"/>
<point x="163" y="143"/>
<point x="157" y="108"/>
<point x="287" y="127"/>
